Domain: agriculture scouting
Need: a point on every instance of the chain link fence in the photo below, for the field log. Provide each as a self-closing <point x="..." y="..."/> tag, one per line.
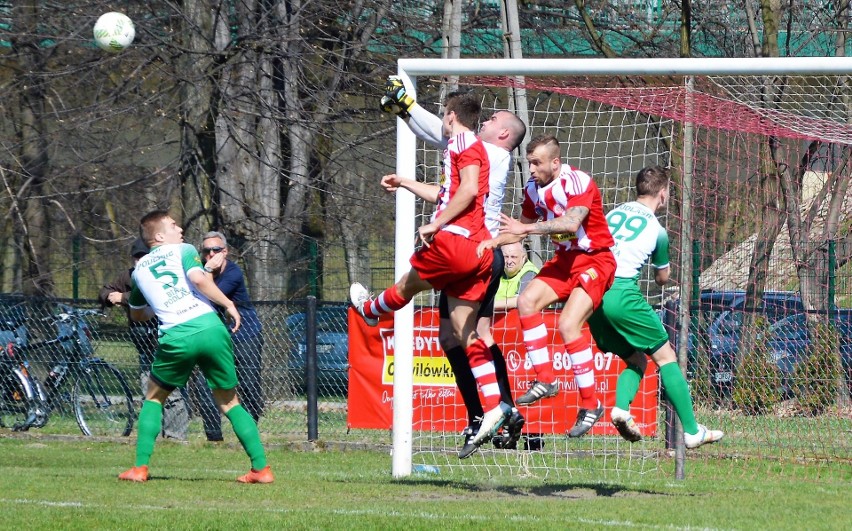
<point x="272" y="367"/>
<point x="796" y="376"/>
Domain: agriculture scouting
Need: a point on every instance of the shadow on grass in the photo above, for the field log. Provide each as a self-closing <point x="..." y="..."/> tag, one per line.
<point x="554" y="490"/>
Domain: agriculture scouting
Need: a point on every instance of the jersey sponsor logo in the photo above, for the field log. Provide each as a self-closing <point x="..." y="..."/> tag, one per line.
<point x="564" y="237"/>
<point x="175" y="295"/>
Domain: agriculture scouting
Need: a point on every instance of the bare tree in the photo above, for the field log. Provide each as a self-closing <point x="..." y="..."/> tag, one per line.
<point x="29" y="206"/>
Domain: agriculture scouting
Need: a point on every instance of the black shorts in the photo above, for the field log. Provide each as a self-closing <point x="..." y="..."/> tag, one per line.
<point x="486" y="308"/>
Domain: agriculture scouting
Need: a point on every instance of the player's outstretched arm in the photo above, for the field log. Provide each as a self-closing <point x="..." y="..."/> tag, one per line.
<point x="425" y="125"/>
<point x="568" y="222"/>
<point x="513" y="230"/>
<point x="498" y="241"/>
<point x="205" y="284"/>
<point x="428" y="192"/>
<point x="464" y="195"/>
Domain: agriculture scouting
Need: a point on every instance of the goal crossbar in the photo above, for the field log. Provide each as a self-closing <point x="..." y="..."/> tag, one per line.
<point x="650" y="66"/>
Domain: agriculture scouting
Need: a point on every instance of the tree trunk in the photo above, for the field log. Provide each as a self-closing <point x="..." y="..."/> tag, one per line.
<point x="772" y="215"/>
<point x="198" y="148"/>
<point x="248" y="154"/>
<point x="33" y="154"/>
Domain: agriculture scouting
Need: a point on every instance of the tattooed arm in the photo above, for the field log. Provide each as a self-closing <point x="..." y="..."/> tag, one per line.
<point x="570" y="221"/>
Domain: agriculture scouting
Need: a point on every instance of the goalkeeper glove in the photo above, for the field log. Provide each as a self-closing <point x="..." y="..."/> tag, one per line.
<point x="396" y="98"/>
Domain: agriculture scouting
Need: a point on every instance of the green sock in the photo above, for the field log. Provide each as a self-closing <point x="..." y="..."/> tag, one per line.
<point x="246" y="429"/>
<point x="678" y="392"/>
<point x="150" y="422"/>
<point x="627" y="387"/>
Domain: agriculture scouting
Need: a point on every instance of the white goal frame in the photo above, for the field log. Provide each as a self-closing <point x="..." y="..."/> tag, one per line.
<point x="409" y="69"/>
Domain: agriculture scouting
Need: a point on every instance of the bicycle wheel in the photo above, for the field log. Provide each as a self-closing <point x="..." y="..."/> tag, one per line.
<point x="17" y="402"/>
<point x="103" y="402"/>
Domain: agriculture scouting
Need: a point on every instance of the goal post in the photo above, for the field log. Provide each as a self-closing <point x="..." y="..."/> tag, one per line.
<point x="815" y="108"/>
<point x="404" y="318"/>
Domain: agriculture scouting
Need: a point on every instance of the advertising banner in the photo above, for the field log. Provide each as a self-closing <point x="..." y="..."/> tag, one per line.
<point x="437" y="403"/>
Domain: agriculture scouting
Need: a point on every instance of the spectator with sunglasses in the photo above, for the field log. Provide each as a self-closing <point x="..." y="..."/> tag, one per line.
<point x="248" y="340"/>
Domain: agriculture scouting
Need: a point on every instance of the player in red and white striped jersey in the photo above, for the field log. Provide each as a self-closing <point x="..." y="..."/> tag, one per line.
<point x="448" y="259"/>
<point x="564" y="203"/>
<point x="500" y="134"/>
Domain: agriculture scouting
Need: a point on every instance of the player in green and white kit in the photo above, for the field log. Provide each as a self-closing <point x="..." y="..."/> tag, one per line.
<point x="625" y="323"/>
<point x="171" y="283"/>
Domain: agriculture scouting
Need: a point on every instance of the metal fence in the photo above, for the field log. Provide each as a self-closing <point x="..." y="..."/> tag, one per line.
<point x="272" y="366"/>
<point x="772" y="410"/>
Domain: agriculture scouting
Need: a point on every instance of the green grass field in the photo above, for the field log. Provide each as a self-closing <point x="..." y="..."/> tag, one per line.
<point x="53" y="482"/>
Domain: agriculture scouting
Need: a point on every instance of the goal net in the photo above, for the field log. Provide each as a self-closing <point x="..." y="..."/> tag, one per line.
<point x="759" y="228"/>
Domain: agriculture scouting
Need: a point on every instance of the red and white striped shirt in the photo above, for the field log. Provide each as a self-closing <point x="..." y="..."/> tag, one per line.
<point x="463" y="150"/>
<point x="571" y="188"/>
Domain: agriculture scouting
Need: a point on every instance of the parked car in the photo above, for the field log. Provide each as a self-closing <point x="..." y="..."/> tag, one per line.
<point x="788" y="342"/>
<point x="718" y="326"/>
<point x="332" y="340"/>
<point x="711" y="304"/>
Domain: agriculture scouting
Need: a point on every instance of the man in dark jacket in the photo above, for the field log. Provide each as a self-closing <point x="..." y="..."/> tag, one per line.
<point x="248" y="340"/>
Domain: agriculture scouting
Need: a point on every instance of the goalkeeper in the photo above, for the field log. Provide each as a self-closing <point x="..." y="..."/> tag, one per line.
<point x="625" y="323"/>
<point x="501" y="134"/>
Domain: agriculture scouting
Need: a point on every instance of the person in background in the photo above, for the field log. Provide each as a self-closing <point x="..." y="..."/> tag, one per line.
<point x="517" y="273"/>
<point x="248" y="340"/>
<point x="144" y="337"/>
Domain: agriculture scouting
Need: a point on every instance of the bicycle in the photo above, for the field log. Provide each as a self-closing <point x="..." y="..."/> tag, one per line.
<point x="19" y="403"/>
<point x="102" y="400"/>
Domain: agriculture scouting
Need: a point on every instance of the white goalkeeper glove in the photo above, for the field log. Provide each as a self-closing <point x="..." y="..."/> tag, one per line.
<point x="396" y="98"/>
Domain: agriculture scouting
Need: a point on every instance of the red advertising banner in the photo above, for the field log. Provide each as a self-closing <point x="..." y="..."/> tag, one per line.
<point x="437" y="403"/>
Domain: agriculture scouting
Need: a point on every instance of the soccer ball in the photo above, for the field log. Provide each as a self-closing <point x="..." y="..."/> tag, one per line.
<point x="114" y="31"/>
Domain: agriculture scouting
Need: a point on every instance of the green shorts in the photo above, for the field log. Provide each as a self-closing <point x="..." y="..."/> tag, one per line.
<point x="625" y="323"/>
<point x="205" y="342"/>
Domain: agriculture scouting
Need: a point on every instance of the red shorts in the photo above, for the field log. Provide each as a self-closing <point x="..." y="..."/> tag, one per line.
<point x="594" y="272"/>
<point x="450" y="264"/>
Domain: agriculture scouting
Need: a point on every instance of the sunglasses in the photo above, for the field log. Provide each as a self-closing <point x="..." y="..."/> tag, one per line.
<point x="214" y="250"/>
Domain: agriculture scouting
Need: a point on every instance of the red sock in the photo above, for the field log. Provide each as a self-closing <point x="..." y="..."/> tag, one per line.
<point x="536" y="341"/>
<point x="583" y="365"/>
<point x="389" y="301"/>
<point x="482" y="365"/>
